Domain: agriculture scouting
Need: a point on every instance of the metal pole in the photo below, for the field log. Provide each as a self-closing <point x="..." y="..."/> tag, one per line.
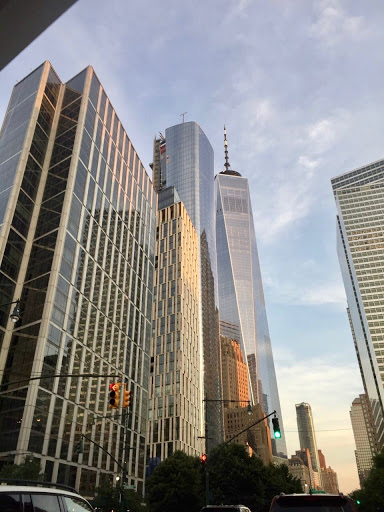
<point x="206" y="451"/>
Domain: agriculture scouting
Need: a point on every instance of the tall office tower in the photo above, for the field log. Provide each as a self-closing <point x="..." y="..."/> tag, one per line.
<point x="76" y="247"/>
<point x="175" y="402"/>
<point x="307" y="436"/>
<point x="184" y="159"/>
<point x="359" y="196"/>
<point x="241" y="296"/>
<point x="364" y="434"/>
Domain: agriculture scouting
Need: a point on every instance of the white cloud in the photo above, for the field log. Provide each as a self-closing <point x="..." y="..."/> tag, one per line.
<point x="333" y="24"/>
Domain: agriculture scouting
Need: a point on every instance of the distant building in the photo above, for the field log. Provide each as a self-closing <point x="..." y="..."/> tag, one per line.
<point x="234" y="372"/>
<point x="314" y="479"/>
<point x="258" y="437"/>
<point x="307" y="436"/>
<point x="329" y="481"/>
<point x="21" y="21"/>
<point x="174" y="399"/>
<point x="364" y="434"/>
<point x="328" y="476"/>
<point x="299" y="470"/>
<point x="322" y="462"/>
<point x="359" y="196"/>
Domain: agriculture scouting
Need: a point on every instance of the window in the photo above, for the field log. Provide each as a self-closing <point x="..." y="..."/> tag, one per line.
<point x="9" y="502"/>
<point x="76" y="505"/>
<point x="45" y="503"/>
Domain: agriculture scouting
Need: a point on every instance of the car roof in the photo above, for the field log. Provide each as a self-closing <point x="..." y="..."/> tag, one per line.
<point x="40" y="490"/>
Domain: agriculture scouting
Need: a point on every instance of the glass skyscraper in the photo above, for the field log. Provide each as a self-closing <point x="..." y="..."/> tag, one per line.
<point x="183" y="159"/>
<point x="307" y="438"/>
<point x="241" y="296"/>
<point x="359" y="196"/>
<point x="77" y="247"/>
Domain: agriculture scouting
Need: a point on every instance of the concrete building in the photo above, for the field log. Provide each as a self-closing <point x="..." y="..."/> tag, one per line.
<point x="234" y="373"/>
<point x="258" y="438"/>
<point x="359" y="196"/>
<point x="175" y="403"/>
<point x="299" y="470"/>
<point x="305" y="456"/>
<point x="364" y="434"/>
<point x="183" y="159"/>
<point x="241" y="295"/>
<point x="77" y="221"/>
<point x="329" y="480"/>
<point x="328" y="476"/>
<point x="307" y="437"/>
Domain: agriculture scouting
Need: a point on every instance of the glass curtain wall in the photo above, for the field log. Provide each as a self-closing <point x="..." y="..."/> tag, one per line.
<point x="85" y="291"/>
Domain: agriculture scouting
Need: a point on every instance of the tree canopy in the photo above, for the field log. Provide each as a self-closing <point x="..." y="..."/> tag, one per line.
<point x="29" y="469"/>
<point x="234" y="478"/>
<point x="371" y="495"/>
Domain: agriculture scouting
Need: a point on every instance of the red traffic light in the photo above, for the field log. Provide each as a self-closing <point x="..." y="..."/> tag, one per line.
<point x="203" y="459"/>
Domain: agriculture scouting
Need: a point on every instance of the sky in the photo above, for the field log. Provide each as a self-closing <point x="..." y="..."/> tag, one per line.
<point x="299" y="86"/>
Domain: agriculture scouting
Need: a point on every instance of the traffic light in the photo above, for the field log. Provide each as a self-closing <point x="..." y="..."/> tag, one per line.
<point x="127" y="395"/>
<point x="203" y="459"/>
<point x="276" y="428"/>
<point x="358" y="502"/>
<point x="114" y="395"/>
<point x="80" y="447"/>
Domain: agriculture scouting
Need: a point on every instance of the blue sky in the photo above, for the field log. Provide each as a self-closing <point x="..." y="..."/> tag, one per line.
<point x="298" y="84"/>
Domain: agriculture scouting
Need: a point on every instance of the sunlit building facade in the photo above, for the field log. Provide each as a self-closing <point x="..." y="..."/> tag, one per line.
<point x="241" y="295"/>
<point x="183" y="159"/>
<point x="77" y="247"/>
<point x="359" y="196"/>
<point x="364" y="434"/>
<point x="174" y="390"/>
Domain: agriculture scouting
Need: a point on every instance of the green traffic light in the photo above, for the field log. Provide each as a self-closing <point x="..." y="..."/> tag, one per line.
<point x="277" y="434"/>
<point x="358" y="502"/>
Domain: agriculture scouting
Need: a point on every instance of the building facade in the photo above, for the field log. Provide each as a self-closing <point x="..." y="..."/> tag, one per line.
<point x="299" y="470"/>
<point x="76" y="247"/>
<point x="175" y="401"/>
<point x="364" y="434"/>
<point x="257" y="438"/>
<point x="359" y="197"/>
<point x="329" y="479"/>
<point x="234" y="372"/>
<point x="307" y="437"/>
<point x="241" y="295"/>
<point x="183" y="159"/>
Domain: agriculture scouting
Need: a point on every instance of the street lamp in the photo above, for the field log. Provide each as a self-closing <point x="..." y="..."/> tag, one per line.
<point x="15" y="315"/>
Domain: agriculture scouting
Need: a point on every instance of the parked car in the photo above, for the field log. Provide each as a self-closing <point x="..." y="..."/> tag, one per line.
<point x="225" y="508"/>
<point x="312" y="503"/>
<point x="29" y="496"/>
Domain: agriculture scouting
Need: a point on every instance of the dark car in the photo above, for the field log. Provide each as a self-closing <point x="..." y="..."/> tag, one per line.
<point x="312" y="503"/>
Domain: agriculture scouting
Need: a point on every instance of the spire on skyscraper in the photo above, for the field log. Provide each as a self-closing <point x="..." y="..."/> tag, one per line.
<point x="227" y="165"/>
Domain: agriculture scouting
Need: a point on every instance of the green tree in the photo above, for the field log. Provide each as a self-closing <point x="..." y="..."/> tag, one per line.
<point x="371" y="496"/>
<point x="176" y="484"/>
<point x="29" y="469"/>
<point x="109" y="497"/>
<point x="236" y="478"/>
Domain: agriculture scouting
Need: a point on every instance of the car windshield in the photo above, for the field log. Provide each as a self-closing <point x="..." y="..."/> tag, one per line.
<point x="312" y="504"/>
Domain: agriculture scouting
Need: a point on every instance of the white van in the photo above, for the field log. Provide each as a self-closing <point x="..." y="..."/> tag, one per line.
<point x="40" y="497"/>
